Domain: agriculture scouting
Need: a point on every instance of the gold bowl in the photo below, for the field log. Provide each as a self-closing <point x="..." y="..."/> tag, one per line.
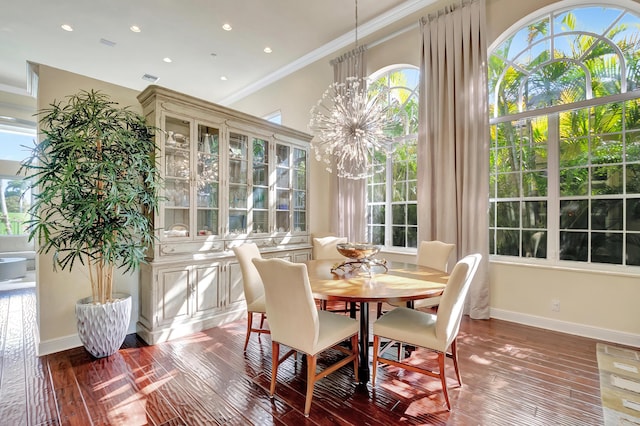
<point x="357" y="250"/>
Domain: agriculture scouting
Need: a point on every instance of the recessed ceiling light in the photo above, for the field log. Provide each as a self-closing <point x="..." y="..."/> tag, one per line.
<point x="167" y="60"/>
<point x="226" y="27"/>
<point x="223" y="78"/>
<point x="135" y="28"/>
<point x="267" y="50"/>
<point x="66" y="27"/>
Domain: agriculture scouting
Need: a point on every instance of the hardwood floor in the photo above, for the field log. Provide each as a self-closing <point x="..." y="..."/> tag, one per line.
<point x="512" y="375"/>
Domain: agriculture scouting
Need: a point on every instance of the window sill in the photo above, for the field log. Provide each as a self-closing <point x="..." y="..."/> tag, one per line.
<point x="619" y="270"/>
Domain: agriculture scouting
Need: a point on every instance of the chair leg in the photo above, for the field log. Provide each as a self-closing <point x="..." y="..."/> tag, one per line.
<point x="275" y="363"/>
<point x="311" y="381"/>
<point x="454" y="356"/>
<point x="262" y="317"/>
<point x="379" y="310"/>
<point x="374" y="366"/>
<point x="443" y="378"/>
<point x="355" y="349"/>
<point x="249" y="324"/>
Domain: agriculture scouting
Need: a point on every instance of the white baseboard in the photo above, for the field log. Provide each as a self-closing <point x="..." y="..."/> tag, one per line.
<point x="71" y="341"/>
<point x="597" y="333"/>
<point x="47" y="347"/>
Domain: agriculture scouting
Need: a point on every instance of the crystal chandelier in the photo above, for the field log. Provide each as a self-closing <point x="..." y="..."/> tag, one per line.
<point x="348" y="124"/>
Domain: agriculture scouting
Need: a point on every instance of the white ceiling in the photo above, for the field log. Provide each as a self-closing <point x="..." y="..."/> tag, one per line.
<point x="189" y="32"/>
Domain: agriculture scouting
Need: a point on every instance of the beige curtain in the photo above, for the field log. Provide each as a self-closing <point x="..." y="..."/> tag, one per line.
<point x="348" y="195"/>
<point x="453" y="138"/>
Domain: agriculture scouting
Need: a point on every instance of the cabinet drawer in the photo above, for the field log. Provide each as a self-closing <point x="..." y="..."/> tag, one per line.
<point x="190" y="248"/>
<point x="260" y="242"/>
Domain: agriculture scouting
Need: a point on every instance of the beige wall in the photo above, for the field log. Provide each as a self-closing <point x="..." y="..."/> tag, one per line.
<point x="58" y="291"/>
<point x="596" y="304"/>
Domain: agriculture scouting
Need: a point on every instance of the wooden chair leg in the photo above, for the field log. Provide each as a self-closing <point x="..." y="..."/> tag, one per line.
<point x="441" y="358"/>
<point x="262" y="317"/>
<point x="374" y="366"/>
<point x="379" y="310"/>
<point x="275" y="363"/>
<point x="249" y="324"/>
<point x="311" y="381"/>
<point x="454" y="357"/>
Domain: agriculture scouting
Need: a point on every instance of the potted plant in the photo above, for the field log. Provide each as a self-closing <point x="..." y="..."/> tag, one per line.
<point x="96" y="184"/>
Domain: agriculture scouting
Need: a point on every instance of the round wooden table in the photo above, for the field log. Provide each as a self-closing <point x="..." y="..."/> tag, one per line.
<point x="403" y="282"/>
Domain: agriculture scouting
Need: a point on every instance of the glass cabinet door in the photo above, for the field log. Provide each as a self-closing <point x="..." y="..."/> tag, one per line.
<point x="207" y="180"/>
<point x="299" y="190"/>
<point x="283" y="188"/>
<point x="177" y="168"/>
<point x="260" y="199"/>
<point x="238" y="183"/>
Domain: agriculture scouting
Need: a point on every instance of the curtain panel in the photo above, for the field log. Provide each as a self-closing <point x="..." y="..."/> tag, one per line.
<point x="349" y="196"/>
<point x="453" y="138"/>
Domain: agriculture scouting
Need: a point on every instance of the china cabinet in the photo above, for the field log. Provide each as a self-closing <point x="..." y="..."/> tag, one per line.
<point x="229" y="178"/>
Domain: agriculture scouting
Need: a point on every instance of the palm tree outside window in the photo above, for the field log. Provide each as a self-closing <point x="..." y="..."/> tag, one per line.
<point x="565" y="138"/>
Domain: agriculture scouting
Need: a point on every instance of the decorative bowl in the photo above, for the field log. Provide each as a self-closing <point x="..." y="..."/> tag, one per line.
<point x="357" y="250"/>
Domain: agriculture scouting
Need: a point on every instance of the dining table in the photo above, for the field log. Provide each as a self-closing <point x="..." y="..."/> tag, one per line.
<point x="394" y="282"/>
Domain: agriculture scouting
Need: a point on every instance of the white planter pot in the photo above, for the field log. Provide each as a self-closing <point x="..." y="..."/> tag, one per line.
<point x="103" y="327"/>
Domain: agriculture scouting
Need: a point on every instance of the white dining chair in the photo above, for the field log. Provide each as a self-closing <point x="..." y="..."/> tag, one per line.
<point x="437" y="332"/>
<point x="432" y="254"/>
<point x="324" y="248"/>
<point x="253" y="288"/>
<point x="295" y="322"/>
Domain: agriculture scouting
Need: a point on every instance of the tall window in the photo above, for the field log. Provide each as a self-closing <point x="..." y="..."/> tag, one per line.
<point x="565" y="138"/>
<point x="391" y="190"/>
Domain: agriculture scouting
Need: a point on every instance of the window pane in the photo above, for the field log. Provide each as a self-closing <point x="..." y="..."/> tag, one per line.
<point x="534" y="214"/>
<point x="574" y="246"/>
<point x="377" y="214"/>
<point x="574" y="181"/>
<point x="399" y="236"/>
<point x="534" y="244"/>
<point x="377" y="234"/>
<point x="508" y="214"/>
<point x="412" y="236"/>
<point x="507" y="242"/>
<point x="534" y="184"/>
<point x="606" y="248"/>
<point x="573" y="151"/>
<point x="508" y="185"/>
<point x="606" y="214"/>
<point x="400" y="191"/>
<point x="606" y="180"/>
<point x="633" y="178"/>
<point x="398" y="214"/>
<point x="606" y="149"/>
<point x="633" y="214"/>
<point x="574" y="214"/>
<point x="633" y="249"/>
<point x="412" y="214"/>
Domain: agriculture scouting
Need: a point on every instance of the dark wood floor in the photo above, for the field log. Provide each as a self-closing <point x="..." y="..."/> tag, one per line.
<point x="512" y="374"/>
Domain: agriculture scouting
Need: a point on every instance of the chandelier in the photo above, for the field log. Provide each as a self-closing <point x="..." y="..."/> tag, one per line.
<point x="349" y="127"/>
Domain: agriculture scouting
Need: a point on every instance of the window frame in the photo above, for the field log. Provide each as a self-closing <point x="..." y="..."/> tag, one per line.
<point x="552" y="113"/>
<point x="410" y="229"/>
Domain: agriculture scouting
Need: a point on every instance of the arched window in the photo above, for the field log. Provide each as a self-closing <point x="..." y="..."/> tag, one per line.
<point x="565" y="137"/>
<point x="391" y="190"/>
